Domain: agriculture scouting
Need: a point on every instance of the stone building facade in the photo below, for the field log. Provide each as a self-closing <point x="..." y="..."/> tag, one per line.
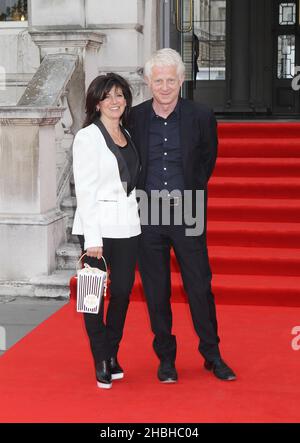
<point x="50" y="50"/>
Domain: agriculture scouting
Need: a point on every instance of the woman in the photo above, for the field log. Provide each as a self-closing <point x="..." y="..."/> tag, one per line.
<point x="106" y="167"/>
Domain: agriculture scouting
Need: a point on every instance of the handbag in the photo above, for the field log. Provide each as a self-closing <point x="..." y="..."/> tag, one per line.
<point x="91" y="287"/>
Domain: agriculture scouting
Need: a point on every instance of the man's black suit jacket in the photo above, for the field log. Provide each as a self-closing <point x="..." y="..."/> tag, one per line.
<point x="198" y="141"/>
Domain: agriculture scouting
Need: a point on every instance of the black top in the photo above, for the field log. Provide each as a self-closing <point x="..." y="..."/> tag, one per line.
<point x="129" y="157"/>
<point x="128" y="180"/>
<point x="198" y="141"/>
<point x="165" y="169"/>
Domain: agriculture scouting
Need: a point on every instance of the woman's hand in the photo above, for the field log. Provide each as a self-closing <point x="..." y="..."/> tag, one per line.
<point x="95" y="252"/>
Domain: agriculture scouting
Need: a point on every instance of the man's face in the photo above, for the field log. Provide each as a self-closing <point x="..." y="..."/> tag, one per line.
<point x="165" y="84"/>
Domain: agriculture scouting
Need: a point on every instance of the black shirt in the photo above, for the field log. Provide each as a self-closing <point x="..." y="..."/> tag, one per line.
<point x="165" y="170"/>
<point x="129" y="156"/>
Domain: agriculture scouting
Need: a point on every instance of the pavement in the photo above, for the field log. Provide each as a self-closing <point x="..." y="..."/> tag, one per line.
<point x="20" y="315"/>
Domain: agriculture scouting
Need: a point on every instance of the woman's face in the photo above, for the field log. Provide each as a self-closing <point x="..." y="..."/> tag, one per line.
<point x="114" y="104"/>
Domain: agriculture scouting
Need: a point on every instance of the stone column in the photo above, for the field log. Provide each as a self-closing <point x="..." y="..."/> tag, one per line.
<point x="240" y="57"/>
<point x="31" y="227"/>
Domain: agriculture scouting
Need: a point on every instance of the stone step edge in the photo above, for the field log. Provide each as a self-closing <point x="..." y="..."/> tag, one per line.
<point x="55" y="285"/>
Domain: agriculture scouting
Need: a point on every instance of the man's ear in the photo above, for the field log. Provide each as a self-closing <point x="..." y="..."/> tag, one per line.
<point x="182" y="78"/>
<point x="147" y="80"/>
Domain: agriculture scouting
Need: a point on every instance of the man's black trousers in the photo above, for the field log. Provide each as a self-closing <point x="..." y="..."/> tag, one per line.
<point x="154" y="265"/>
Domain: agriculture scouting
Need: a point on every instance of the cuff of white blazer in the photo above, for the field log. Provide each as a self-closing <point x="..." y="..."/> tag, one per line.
<point x="92" y="243"/>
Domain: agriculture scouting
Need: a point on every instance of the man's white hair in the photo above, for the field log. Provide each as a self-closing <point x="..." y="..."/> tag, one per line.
<point x="165" y="57"/>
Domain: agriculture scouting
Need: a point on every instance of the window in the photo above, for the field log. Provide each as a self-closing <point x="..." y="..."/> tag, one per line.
<point x="210" y="28"/>
<point x="287" y="13"/>
<point x="286" y="56"/>
<point x="13" y="10"/>
<point x="286" y="39"/>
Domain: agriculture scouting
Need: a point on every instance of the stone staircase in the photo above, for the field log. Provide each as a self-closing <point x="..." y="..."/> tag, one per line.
<point x="56" y="285"/>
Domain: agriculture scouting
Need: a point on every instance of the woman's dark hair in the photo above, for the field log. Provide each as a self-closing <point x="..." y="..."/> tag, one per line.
<point x="98" y="90"/>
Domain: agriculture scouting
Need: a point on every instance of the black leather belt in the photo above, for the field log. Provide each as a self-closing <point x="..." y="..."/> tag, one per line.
<point x="172" y="201"/>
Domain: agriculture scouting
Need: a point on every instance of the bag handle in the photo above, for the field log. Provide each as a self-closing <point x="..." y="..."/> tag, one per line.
<point x="83" y="255"/>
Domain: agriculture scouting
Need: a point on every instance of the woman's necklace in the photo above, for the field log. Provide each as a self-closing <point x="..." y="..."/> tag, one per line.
<point x="116" y="134"/>
<point x="118" y="138"/>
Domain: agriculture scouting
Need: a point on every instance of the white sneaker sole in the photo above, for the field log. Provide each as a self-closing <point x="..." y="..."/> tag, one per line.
<point x="117" y="376"/>
<point x="104" y="385"/>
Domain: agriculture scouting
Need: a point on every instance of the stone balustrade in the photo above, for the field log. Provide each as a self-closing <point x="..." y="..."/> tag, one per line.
<point x="31" y="226"/>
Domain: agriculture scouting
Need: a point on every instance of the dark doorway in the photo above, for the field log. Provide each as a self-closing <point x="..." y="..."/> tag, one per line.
<point x="240" y="55"/>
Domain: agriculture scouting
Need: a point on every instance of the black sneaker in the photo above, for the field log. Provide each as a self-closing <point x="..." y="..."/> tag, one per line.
<point x="115" y="369"/>
<point x="103" y="375"/>
<point x="167" y="372"/>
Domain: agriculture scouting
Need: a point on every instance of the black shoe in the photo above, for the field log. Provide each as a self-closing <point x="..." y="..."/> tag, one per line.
<point x="220" y="369"/>
<point x="167" y="372"/>
<point x="103" y="375"/>
<point x="115" y="369"/>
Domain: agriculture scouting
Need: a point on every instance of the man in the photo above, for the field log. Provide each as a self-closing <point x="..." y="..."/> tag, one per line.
<point x="196" y="53"/>
<point x="177" y="141"/>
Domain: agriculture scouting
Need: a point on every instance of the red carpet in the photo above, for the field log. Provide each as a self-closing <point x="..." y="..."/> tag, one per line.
<point x="254" y="214"/>
<point x="253" y="217"/>
<point x="254" y="248"/>
<point x="48" y="376"/>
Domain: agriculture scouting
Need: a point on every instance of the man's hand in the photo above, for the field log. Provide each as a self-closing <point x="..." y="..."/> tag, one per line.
<point x="95" y="252"/>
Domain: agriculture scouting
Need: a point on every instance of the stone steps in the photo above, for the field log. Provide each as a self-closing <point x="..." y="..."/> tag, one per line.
<point x="67" y="256"/>
<point x="55" y="285"/>
<point x="68" y="205"/>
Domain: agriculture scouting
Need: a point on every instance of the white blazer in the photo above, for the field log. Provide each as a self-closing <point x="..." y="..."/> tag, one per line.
<point x="104" y="208"/>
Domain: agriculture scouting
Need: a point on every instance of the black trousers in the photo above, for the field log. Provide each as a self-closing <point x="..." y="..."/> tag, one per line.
<point x="121" y="257"/>
<point x="154" y="265"/>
